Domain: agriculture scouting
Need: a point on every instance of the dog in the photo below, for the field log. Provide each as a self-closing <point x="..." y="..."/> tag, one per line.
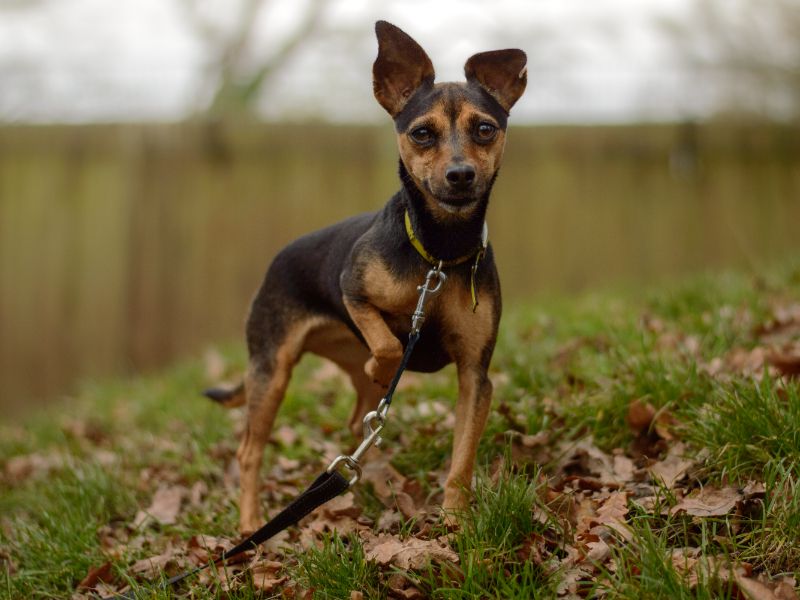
<point x="347" y="292"/>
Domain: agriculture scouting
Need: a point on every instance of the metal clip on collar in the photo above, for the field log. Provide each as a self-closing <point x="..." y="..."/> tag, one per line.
<point x="425" y="290"/>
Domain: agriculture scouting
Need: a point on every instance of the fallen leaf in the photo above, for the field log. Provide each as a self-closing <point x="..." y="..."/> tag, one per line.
<point x="19" y="468"/>
<point x="102" y="574"/>
<point x="202" y="548"/>
<point x="709" y="502"/>
<point x="612" y="514"/>
<point x="673" y="468"/>
<point x="623" y="468"/>
<point x="164" y="507"/>
<point x="389" y="520"/>
<point x="152" y="566"/>
<point x="342" y="506"/>
<point x="411" y="553"/>
<point x="640" y="416"/>
<point x="265" y="575"/>
<point x="786" y="360"/>
<point x="406" y="504"/>
<point x="198" y="491"/>
<point x="385" y="479"/>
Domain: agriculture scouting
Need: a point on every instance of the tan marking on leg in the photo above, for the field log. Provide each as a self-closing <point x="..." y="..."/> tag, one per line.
<point x="265" y="386"/>
<point x="386" y="349"/>
<point x="473" y="332"/>
<point x="472" y="410"/>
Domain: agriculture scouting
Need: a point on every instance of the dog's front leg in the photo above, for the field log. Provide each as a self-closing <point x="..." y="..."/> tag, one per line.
<point x="472" y="410"/>
<point x="385" y="348"/>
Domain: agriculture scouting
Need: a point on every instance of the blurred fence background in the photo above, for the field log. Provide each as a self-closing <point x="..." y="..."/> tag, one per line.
<point x="155" y="154"/>
<point x="125" y="247"/>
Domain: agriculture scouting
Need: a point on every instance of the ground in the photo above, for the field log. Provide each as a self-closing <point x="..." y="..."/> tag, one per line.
<point x="644" y="444"/>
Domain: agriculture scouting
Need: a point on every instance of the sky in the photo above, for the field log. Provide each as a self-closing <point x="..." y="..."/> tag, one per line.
<point x="143" y="60"/>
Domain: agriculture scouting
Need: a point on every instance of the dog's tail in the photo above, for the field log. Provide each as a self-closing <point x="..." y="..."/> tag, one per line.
<point x="229" y="397"/>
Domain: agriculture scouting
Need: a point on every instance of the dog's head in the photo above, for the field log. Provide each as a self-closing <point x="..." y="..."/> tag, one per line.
<point x="451" y="135"/>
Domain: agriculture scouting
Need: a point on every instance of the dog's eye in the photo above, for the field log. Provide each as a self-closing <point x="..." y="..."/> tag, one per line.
<point x="422" y="136"/>
<point x="485" y="132"/>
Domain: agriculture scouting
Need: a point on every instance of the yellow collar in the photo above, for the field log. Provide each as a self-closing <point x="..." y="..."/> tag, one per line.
<point x="477" y="254"/>
<point x="446" y="263"/>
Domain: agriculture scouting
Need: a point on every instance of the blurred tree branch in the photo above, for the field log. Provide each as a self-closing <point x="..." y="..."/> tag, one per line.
<point x="236" y="81"/>
<point x="749" y="51"/>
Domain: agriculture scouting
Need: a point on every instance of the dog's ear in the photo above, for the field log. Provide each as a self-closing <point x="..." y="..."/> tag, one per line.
<point x="401" y="67"/>
<point x="502" y="73"/>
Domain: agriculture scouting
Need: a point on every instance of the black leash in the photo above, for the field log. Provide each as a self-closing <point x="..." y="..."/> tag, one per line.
<point x="330" y="483"/>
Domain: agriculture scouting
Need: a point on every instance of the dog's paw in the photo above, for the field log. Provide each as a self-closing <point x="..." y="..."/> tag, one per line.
<point x="380" y="373"/>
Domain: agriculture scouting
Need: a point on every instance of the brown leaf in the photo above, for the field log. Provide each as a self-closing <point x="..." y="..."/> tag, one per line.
<point x="408" y="554"/>
<point x="613" y="512"/>
<point x="152" y="566"/>
<point x="673" y="468"/>
<point x="164" y="507"/>
<point x="406" y="504"/>
<point x="102" y="574"/>
<point x="385" y="479"/>
<point x="342" y="506"/>
<point x="265" y="575"/>
<point x="19" y="468"/>
<point x="623" y="468"/>
<point x="754" y="589"/>
<point x="84" y="429"/>
<point x="709" y="502"/>
<point x="389" y="520"/>
<point x="786" y="360"/>
<point x="640" y="416"/>
<point x="198" y="491"/>
<point x="202" y="548"/>
<point x="754" y="489"/>
<point x="354" y="595"/>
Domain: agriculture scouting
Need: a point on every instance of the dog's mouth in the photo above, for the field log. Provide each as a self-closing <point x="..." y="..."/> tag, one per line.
<point x="455" y="204"/>
<point x="457" y="207"/>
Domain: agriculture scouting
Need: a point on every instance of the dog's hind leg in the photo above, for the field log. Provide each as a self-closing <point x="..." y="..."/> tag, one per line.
<point x="265" y="386"/>
<point x="338" y="344"/>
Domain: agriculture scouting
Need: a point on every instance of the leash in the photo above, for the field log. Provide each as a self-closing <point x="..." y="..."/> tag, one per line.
<point x="330" y="483"/>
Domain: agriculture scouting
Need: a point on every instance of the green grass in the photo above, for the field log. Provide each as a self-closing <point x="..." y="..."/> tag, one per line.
<point x="747" y="426"/>
<point x="54" y="528"/>
<point x="567" y="367"/>
<point x="338" y="568"/>
<point x="492" y="533"/>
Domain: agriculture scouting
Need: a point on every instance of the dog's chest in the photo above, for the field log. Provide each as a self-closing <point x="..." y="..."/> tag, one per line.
<point x="451" y="330"/>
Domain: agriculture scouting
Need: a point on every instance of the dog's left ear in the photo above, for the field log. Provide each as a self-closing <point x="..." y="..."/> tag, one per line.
<point x="502" y="73"/>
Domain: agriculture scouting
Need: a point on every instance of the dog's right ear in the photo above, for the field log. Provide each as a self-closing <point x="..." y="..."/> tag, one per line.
<point x="400" y="69"/>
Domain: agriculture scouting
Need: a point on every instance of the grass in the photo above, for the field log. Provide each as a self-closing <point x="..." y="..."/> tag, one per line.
<point x="338" y="567"/>
<point x="567" y="368"/>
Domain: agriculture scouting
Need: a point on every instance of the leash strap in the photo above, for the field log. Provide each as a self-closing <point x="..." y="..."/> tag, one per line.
<point x="324" y="488"/>
<point x="412" y="341"/>
<point x="330" y="483"/>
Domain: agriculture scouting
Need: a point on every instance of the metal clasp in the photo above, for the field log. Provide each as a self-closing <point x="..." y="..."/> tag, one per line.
<point x="425" y="290"/>
<point x="373" y="425"/>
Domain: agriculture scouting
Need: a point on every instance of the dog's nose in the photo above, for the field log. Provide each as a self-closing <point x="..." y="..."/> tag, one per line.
<point x="460" y="176"/>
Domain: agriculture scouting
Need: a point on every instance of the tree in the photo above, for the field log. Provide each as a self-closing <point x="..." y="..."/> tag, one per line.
<point x="235" y="80"/>
<point x="745" y="54"/>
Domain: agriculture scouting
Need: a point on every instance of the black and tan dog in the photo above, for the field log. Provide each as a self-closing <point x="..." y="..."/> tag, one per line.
<point x="347" y="292"/>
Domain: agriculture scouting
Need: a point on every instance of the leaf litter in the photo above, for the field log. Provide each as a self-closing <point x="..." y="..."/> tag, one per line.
<point x="590" y="494"/>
